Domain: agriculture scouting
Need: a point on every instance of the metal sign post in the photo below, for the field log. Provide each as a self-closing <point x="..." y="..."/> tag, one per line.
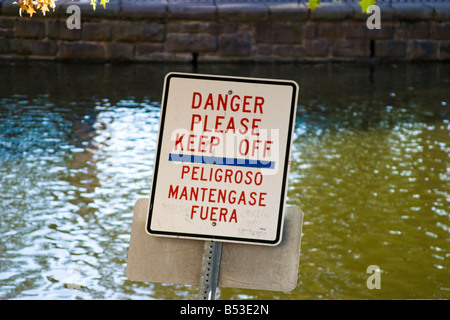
<point x="209" y="274"/>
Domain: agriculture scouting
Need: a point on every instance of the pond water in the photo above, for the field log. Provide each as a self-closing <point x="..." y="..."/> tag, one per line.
<point x="370" y="169"/>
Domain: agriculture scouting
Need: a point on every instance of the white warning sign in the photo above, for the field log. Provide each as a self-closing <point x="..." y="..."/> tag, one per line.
<point x="222" y="159"/>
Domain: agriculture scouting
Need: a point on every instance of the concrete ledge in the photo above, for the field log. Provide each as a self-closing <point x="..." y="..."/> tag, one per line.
<point x="288" y="12"/>
<point x="132" y="10"/>
<point x="191" y="11"/>
<point x="412" y="11"/>
<point x="256" y="11"/>
<point x="160" y="30"/>
<point x="243" y="12"/>
<point x="441" y="10"/>
<point x="332" y="11"/>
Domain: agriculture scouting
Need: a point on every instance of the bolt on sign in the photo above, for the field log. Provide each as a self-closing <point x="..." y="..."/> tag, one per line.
<point x="222" y="159"/>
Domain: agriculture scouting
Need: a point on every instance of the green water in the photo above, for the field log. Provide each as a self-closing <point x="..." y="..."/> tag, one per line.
<point x="370" y="169"/>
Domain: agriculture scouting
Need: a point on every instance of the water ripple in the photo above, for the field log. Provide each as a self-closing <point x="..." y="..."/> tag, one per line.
<point x="369" y="169"/>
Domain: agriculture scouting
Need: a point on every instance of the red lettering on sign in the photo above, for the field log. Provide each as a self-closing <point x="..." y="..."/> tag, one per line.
<point x="189" y="142"/>
<point x="209" y="102"/>
<point x="231" y="127"/>
<point x="242" y="199"/>
<point x="194" y="142"/>
<point x="259" y="101"/>
<point x="235" y="106"/>
<point x="196" y="96"/>
<point x="196" y="118"/>
<point x="218" y="124"/>
<point x="223" y="98"/>
<point x="255" y="126"/>
<point x="223" y="213"/>
<point x="228" y="174"/>
<point x="266" y="147"/>
<point x="195" y="172"/>
<point x="245" y="104"/>
<point x="183" y="194"/>
<point x="184" y="170"/>
<point x="212" y="195"/>
<point x="243" y="147"/>
<point x="221" y="124"/>
<point x="244" y="122"/>
<point x="202" y="178"/>
<point x="214" y="142"/>
<point x="201" y="143"/>
<point x="178" y="141"/>
<point x="173" y="193"/>
<point x="252" y="201"/>
<point x="213" y="213"/>
<point x="238" y="175"/>
<point x="209" y="213"/>
<point x="233" y="216"/>
<point x="249" y="104"/>
<point x="261" y="198"/>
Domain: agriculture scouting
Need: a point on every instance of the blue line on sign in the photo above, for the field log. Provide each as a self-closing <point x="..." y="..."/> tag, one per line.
<point x="222" y="161"/>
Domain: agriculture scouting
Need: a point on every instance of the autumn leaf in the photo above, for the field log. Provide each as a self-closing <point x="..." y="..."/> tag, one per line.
<point x="44" y="9"/>
<point x="366" y="4"/>
<point x="312" y="4"/>
<point x="103" y="3"/>
<point x="30" y="10"/>
<point x="29" y="6"/>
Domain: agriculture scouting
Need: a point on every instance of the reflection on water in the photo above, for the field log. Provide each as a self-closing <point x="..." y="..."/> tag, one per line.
<point x="370" y="169"/>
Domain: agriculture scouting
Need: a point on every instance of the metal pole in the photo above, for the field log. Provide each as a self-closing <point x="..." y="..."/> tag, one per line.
<point x="209" y="276"/>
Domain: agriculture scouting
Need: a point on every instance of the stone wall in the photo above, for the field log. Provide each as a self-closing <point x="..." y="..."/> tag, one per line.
<point x="130" y="30"/>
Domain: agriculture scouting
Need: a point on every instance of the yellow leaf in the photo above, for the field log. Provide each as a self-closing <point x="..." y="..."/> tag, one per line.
<point x="93" y="4"/>
<point x="312" y="4"/>
<point x="30" y="10"/>
<point x="103" y="3"/>
<point x="44" y="9"/>
<point x="366" y="4"/>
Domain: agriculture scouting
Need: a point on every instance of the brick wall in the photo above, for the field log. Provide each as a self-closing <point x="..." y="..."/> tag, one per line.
<point x="130" y="30"/>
